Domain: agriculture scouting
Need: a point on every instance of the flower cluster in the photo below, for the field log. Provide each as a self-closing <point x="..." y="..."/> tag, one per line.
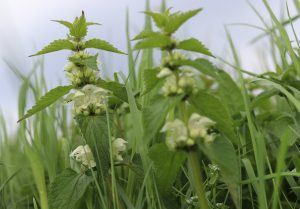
<point x="84" y="156"/>
<point x="118" y="146"/>
<point x="177" y="81"/>
<point x="79" y="72"/>
<point x="181" y="136"/>
<point x="90" y="100"/>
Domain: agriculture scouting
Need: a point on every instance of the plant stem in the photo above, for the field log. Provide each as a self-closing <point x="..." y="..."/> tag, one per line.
<point x="197" y="179"/>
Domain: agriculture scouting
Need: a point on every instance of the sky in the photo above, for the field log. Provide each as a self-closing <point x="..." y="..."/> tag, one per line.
<point x="26" y="28"/>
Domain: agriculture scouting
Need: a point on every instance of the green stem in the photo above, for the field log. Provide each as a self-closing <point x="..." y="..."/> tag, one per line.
<point x="197" y="179"/>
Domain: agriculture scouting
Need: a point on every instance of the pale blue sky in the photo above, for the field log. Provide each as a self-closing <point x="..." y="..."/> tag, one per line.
<point x="25" y="27"/>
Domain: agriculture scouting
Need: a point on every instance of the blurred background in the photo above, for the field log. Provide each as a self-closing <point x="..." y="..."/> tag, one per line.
<point x="26" y="28"/>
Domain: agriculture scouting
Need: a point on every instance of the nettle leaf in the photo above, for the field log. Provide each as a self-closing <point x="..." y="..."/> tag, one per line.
<point x="70" y="25"/>
<point x="92" y="23"/>
<point x="159" y="19"/>
<point x="150" y="80"/>
<point x="202" y="65"/>
<point x="116" y="88"/>
<point x="178" y="19"/>
<point x="101" y="44"/>
<point x="145" y="34"/>
<point x="194" y="45"/>
<point x="67" y="189"/>
<point x="155" y="113"/>
<point x="65" y="23"/>
<point x="230" y="93"/>
<point x="56" y="45"/>
<point x="155" y="41"/>
<point x="222" y="153"/>
<point x="48" y="99"/>
<point x="90" y="61"/>
<point x="212" y="107"/>
<point x="95" y="132"/>
<point x="167" y="165"/>
<point x="79" y="27"/>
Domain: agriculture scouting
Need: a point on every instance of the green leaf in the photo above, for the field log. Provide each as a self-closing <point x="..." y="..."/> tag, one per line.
<point x="90" y="61"/>
<point x="222" y="152"/>
<point x="48" y="99"/>
<point x="230" y="93"/>
<point x="212" y="107"/>
<point x="70" y="25"/>
<point x="145" y="34"/>
<point x="92" y="23"/>
<point x="159" y="19"/>
<point x="150" y="80"/>
<point x="65" y="23"/>
<point x="202" y="65"/>
<point x="155" y="41"/>
<point x="101" y="44"/>
<point x="95" y="132"/>
<point x="177" y="19"/>
<point x="262" y="97"/>
<point x="194" y="45"/>
<point x="67" y="189"/>
<point x="282" y="89"/>
<point x="167" y="165"/>
<point x="79" y="27"/>
<point x="116" y="88"/>
<point x="155" y="114"/>
<point x="56" y="45"/>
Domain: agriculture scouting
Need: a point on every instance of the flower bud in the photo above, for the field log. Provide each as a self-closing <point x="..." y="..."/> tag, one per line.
<point x="118" y="146"/>
<point x="84" y="155"/>
<point x="164" y="73"/>
<point x="198" y="126"/>
<point x="177" y="135"/>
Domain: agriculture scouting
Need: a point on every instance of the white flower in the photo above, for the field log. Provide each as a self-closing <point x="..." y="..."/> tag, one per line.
<point x="84" y="155"/>
<point x="164" y="73"/>
<point x="118" y="146"/>
<point x="170" y="85"/>
<point x="177" y="135"/>
<point x="198" y="126"/>
<point x="89" y="100"/>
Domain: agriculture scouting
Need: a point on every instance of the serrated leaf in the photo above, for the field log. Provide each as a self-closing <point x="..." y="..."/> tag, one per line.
<point x="116" y="88"/>
<point x="194" y="45"/>
<point x="167" y="165"/>
<point x="159" y="19"/>
<point x="90" y="61"/>
<point x="230" y="93"/>
<point x="155" y="41"/>
<point x="48" y="99"/>
<point x="79" y="27"/>
<point x="150" y="80"/>
<point x="95" y="132"/>
<point x="212" y="107"/>
<point x="176" y="20"/>
<point x="101" y="44"/>
<point x="67" y="189"/>
<point x="222" y="153"/>
<point x="155" y="113"/>
<point x="65" y="23"/>
<point x="56" y="45"/>
<point x="202" y="65"/>
<point x="145" y="34"/>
